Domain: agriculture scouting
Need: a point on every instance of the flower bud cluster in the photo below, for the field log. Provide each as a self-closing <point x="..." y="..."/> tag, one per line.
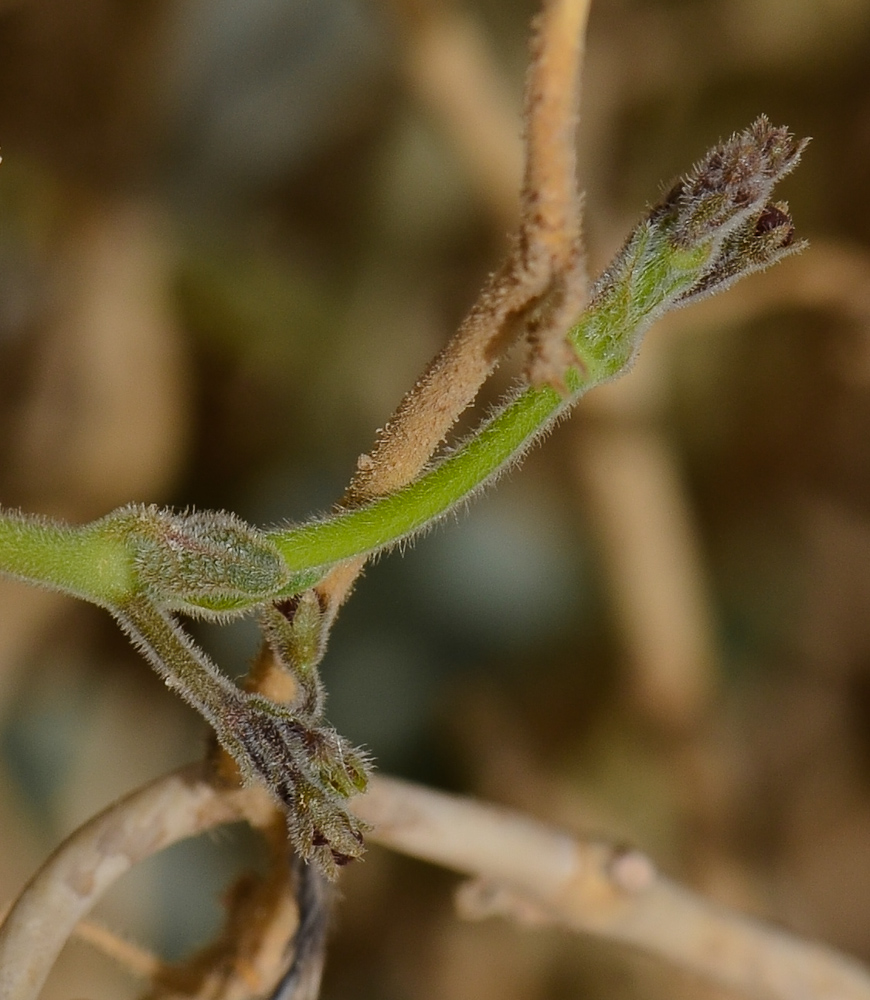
<point x="730" y="185"/>
<point x="714" y="225"/>
<point x="310" y="769"/>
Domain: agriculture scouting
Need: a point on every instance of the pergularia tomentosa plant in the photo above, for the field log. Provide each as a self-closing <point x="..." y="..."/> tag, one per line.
<point x="145" y="565"/>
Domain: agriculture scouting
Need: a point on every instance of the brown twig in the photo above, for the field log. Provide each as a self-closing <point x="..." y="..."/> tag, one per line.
<point x="521" y="868"/>
<point x="644" y="527"/>
<point x="525" y="869"/>
<point x="537" y="292"/>
<point x="137" y="960"/>
<point x="631" y="482"/>
<point x="75" y="876"/>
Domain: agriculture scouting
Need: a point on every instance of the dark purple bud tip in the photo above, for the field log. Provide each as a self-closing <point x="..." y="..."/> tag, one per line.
<point x="762" y="240"/>
<point x="730" y="183"/>
<point x="342" y="860"/>
<point x="774" y="217"/>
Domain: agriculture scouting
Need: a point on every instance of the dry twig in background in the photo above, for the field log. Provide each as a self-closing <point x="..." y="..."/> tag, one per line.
<point x="521" y="868"/>
<point x="450" y="69"/>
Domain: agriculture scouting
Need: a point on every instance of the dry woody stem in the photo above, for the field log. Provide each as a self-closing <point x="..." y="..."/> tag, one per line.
<point x="521" y="868"/>
<point x="537" y="292"/>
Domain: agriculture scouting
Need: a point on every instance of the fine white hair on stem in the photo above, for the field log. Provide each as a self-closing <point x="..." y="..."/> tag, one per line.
<point x="521" y="868"/>
<point x="545" y="272"/>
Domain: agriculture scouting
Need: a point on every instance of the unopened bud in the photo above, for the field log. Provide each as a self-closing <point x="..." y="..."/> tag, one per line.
<point x="203" y="563"/>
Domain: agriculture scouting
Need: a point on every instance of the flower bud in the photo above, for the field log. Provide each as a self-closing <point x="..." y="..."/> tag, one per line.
<point x="202" y="563"/>
<point x="714" y="225"/>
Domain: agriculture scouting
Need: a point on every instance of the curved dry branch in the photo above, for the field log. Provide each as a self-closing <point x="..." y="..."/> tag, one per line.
<point x="520" y="867"/>
<point x="71" y="881"/>
<point x="525" y="869"/>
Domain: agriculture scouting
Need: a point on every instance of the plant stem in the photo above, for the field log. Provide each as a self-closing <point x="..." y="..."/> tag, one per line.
<point x="712" y="227"/>
<point x="384" y="522"/>
<point x="88" y="562"/>
<point x="604" y="342"/>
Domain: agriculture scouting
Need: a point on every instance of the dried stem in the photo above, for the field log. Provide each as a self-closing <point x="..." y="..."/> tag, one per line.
<point x="538" y="291"/>
<point x="137" y="960"/>
<point x="551" y="215"/>
<point x="97" y="854"/>
<point x="521" y="868"/>
<point x="527" y="870"/>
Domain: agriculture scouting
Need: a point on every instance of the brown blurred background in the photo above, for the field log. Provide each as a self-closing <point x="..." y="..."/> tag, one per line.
<point x="230" y="237"/>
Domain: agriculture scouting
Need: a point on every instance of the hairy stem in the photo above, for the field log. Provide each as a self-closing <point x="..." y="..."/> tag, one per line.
<point x="714" y="226"/>
<point x="88" y="562"/>
<point x="181" y="664"/>
<point x="398" y="515"/>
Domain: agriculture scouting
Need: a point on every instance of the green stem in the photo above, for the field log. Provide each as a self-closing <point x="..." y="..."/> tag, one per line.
<point x="712" y="227"/>
<point x="183" y="666"/>
<point x="88" y="562"/>
<point x="650" y="275"/>
<point x="387" y="521"/>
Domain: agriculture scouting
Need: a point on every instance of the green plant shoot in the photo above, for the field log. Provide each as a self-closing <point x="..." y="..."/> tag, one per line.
<point x="145" y="565"/>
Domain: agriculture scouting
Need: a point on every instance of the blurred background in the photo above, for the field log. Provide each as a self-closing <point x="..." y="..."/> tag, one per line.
<point x="231" y="235"/>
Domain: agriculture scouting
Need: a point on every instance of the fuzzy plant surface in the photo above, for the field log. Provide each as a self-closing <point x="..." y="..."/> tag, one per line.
<point x="146" y="565"/>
